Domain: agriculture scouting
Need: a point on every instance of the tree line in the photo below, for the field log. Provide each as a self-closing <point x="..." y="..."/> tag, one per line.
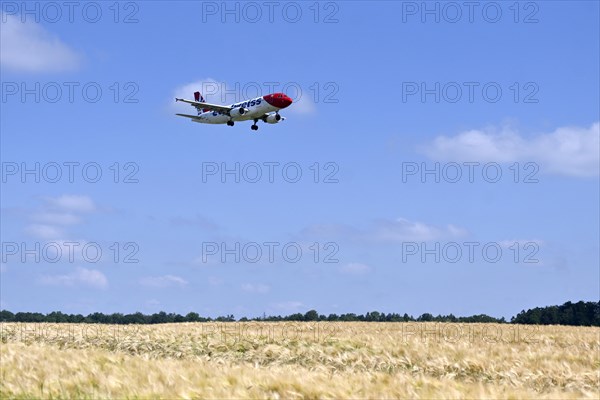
<point x="579" y="314"/>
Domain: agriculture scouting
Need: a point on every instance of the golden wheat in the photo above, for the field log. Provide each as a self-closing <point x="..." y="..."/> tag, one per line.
<point x="299" y="360"/>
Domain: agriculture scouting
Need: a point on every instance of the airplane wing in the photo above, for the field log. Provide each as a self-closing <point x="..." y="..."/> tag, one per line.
<point x="207" y="106"/>
<point x="188" y="116"/>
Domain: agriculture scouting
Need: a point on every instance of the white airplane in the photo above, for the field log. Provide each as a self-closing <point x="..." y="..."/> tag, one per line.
<point x="265" y="108"/>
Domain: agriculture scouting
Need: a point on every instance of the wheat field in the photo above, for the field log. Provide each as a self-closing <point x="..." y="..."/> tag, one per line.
<point x="299" y="360"/>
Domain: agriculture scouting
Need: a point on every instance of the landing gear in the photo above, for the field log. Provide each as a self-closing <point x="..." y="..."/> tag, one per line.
<point x="230" y="123"/>
<point x="254" y="127"/>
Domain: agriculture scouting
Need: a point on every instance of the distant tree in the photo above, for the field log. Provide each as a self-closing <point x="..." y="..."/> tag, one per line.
<point x="295" y="317"/>
<point x="579" y="314"/>
<point x="228" y="318"/>
<point x="192" y="317"/>
<point x="98" y="318"/>
<point x="426" y="317"/>
<point x="372" y="316"/>
<point x="117" y="318"/>
<point x="6" y="316"/>
<point x="477" y="318"/>
<point x="159" y="318"/>
<point x="178" y="318"/>
<point x="311" y="315"/>
<point x="137" y="318"/>
<point x="29" y="317"/>
<point x="57" y="316"/>
<point x="393" y="317"/>
<point x="348" y="317"/>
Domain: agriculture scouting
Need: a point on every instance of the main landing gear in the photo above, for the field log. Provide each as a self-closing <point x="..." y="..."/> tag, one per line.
<point x="230" y="123"/>
<point x="254" y="127"/>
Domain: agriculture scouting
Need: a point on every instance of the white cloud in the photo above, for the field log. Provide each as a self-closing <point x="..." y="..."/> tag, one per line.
<point x="163" y="281"/>
<point x="56" y="249"/>
<point x="28" y="47"/>
<point x="355" y="269"/>
<point x="81" y="277"/>
<point x="210" y="88"/>
<point x="386" y="230"/>
<point x="73" y="203"/>
<point x="521" y="243"/>
<point x="302" y="106"/>
<point x="255" y="288"/>
<point x="401" y="229"/>
<point x="57" y="212"/>
<point x="41" y="231"/>
<point x="571" y="151"/>
<point x="456" y="231"/>
<point x="56" y="218"/>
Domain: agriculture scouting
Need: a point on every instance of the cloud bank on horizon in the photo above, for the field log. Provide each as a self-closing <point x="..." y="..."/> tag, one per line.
<point x="569" y="151"/>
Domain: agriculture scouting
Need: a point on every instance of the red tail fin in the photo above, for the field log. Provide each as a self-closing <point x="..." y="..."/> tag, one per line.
<point x="199" y="98"/>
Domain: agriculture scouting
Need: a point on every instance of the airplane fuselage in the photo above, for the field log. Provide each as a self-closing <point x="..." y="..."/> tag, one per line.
<point x="255" y="108"/>
<point x="265" y="108"/>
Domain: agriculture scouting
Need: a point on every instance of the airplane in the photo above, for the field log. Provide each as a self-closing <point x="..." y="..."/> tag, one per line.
<point x="265" y="108"/>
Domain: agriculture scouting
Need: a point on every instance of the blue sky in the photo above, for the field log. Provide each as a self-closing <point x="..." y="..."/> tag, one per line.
<point x="386" y="92"/>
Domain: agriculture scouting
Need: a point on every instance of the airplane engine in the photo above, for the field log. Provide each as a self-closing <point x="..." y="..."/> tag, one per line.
<point x="273" y="118"/>
<point x="236" y="112"/>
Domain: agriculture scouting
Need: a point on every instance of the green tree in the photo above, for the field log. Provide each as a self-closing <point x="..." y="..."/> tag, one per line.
<point x="311" y="315"/>
<point x="6" y="316"/>
<point x="192" y="317"/>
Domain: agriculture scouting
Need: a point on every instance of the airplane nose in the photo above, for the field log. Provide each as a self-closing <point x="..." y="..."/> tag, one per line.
<point x="286" y="101"/>
<point x="279" y="100"/>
